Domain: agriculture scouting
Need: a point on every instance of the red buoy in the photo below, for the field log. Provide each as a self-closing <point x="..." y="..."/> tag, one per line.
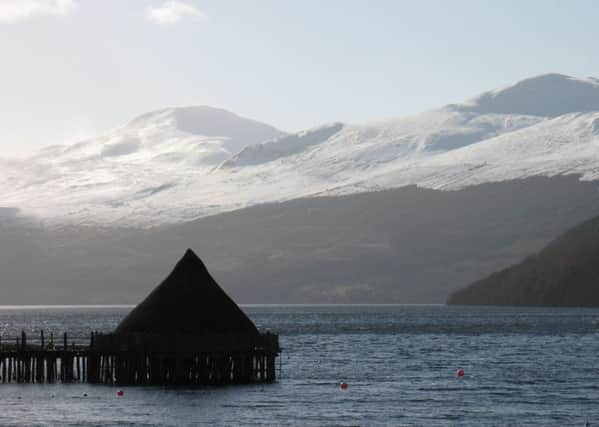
<point x="343" y="386"/>
<point x="460" y="373"/>
<point x="120" y="393"/>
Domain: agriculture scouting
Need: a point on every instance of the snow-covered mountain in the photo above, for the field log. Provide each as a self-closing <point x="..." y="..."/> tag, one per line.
<point x="179" y="164"/>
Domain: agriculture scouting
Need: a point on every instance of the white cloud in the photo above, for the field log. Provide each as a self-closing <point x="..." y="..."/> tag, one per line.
<point x="172" y="12"/>
<point x="18" y="10"/>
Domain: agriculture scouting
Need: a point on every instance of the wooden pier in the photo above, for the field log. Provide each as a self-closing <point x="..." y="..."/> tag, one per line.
<point x="140" y="359"/>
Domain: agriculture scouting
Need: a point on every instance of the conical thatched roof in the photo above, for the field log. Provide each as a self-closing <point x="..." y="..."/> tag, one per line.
<point x="187" y="302"/>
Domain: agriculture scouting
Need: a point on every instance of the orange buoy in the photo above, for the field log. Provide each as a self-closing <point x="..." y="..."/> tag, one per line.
<point x="343" y="386"/>
<point x="460" y="373"/>
<point x="120" y="393"/>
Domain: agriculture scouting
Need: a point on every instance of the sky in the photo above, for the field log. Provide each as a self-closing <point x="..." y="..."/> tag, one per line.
<point x="73" y="69"/>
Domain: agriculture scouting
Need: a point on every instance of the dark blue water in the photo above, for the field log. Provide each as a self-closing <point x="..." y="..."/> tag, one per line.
<point x="524" y="366"/>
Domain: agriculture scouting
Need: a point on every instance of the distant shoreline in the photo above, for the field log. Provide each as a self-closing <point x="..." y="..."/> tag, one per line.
<point x="41" y="306"/>
<point x="66" y="306"/>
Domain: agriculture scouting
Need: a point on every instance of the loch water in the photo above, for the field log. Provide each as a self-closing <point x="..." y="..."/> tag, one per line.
<point x="523" y="366"/>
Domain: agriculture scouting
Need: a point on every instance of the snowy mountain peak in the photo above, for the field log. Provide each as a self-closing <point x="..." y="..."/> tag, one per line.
<point x="199" y="136"/>
<point x="547" y="95"/>
<point x="208" y="121"/>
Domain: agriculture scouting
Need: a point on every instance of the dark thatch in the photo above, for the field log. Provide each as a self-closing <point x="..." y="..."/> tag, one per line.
<point x="188" y="302"/>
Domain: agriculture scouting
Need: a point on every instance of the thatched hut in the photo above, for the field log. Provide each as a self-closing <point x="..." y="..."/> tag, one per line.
<point x="187" y="331"/>
<point x="190" y="302"/>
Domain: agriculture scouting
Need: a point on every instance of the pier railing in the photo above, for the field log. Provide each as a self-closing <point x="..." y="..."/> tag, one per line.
<point x="44" y="341"/>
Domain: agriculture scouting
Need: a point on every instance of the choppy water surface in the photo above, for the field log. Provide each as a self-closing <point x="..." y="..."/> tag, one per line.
<point x="524" y="366"/>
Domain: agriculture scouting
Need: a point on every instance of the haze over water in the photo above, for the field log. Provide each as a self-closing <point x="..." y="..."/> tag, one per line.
<point x="524" y="366"/>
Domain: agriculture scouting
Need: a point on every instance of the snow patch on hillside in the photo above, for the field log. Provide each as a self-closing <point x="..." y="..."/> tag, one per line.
<point x="282" y="147"/>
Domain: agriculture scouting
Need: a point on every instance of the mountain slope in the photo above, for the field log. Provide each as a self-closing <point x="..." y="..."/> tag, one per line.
<point x="565" y="273"/>
<point x="282" y="147"/>
<point x="567" y="144"/>
<point x="407" y="245"/>
<point x="178" y="165"/>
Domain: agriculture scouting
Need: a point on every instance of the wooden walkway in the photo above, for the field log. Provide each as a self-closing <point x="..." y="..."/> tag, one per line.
<point x="139" y="359"/>
<point x="43" y="361"/>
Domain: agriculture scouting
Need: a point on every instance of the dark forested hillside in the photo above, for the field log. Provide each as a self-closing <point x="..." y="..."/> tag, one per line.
<point x="565" y="273"/>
